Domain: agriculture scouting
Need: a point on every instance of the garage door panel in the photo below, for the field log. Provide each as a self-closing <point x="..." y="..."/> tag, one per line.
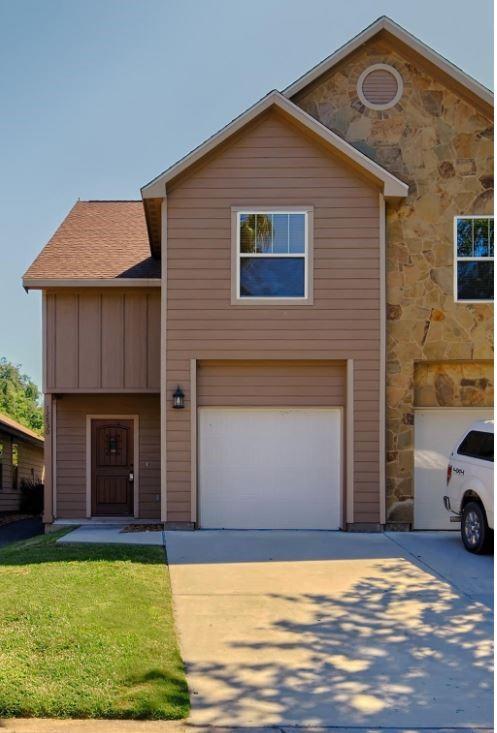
<point x="435" y="433"/>
<point x="269" y="468"/>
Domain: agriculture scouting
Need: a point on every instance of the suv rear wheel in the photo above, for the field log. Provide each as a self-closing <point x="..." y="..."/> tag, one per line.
<point x="475" y="531"/>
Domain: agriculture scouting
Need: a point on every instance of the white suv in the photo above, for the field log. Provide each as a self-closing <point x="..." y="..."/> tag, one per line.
<point x="470" y="486"/>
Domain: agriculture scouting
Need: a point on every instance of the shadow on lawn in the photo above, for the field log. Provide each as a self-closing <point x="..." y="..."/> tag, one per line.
<point x="396" y="649"/>
<point x="45" y="549"/>
<point x="148" y="691"/>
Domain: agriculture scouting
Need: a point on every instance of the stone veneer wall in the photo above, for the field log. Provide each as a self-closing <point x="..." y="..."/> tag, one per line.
<point x="442" y="147"/>
<point x="454" y="384"/>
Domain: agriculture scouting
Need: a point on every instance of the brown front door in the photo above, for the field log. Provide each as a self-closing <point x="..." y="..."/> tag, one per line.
<point x="112" y="468"/>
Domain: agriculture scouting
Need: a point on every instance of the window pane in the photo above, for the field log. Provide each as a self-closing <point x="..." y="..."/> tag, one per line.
<point x="280" y="233"/>
<point x="297" y="232"/>
<point x="247" y="233"/>
<point x="478" y="444"/>
<point x="464" y="237"/>
<point x="491" y="236"/>
<point x="481" y="237"/>
<point x="264" y="233"/>
<point x="475" y="280"/>
<point x="272" y="277"/>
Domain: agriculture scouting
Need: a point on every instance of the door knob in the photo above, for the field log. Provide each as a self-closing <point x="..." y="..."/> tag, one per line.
<point x="131" y="476"/>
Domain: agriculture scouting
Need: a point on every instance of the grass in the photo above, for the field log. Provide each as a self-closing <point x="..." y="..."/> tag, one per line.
<point x="86" y="631"/>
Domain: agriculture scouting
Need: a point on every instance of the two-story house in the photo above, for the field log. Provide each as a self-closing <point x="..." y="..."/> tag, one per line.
<point x="289" y="327"/>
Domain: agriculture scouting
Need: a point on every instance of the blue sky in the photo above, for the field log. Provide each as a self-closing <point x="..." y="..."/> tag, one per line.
<point x="98" y="96"/>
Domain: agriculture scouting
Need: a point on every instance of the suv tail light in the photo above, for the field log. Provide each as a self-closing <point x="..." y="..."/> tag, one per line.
<point x="449" y="473"/>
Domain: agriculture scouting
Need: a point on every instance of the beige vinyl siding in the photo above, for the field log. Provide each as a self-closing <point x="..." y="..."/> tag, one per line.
<point x="71" y="410"/>
<point x="272" y="163"/>
<point x="271" y="384"/>
<point x="102" y="340"/>
<point x="30" y="466"/>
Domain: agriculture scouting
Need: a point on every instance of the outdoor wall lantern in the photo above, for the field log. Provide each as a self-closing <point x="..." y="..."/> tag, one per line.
<point x="178" y="398"/>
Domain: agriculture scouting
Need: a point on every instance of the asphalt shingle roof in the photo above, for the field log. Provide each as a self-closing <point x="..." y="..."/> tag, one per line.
<point x="98" y="240"/>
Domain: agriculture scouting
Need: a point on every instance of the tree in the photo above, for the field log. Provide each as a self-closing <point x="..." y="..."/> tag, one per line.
<point x="20" y="397"/>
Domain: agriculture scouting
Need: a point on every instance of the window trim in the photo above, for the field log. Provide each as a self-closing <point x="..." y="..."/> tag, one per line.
<point x="468" y="259"/>
<point x="236" y="298"/>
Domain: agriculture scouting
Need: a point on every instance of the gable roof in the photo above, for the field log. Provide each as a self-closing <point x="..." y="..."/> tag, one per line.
<point x="97" y="241"/>
<point x="392" y="186"/>
<point x="385" y="25"/>
<point x="14" y="428"/>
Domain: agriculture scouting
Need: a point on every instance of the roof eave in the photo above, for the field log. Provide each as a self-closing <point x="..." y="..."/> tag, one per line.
<point x="18" y="433"/>
<point x="156" y="188"/>
<point x="38" y="283"/>
<point x="393" y="187"/>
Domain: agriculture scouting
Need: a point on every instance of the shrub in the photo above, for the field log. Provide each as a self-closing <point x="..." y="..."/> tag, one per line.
<point x="31" y="497"/>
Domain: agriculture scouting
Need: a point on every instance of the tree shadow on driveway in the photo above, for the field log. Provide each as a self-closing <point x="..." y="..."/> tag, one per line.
<point x="398" y="647"/>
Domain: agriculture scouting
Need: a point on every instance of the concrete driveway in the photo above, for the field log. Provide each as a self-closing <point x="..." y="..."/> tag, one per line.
<point x="333" y="629"/>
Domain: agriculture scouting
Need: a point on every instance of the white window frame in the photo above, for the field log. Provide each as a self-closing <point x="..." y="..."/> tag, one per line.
<point x="468" y="259"/>
<point x="307" y="255"/>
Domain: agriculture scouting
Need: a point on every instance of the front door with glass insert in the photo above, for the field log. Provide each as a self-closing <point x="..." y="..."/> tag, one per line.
<point x="112" y="467"/>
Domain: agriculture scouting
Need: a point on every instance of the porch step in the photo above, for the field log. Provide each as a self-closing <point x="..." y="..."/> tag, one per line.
<point x="103" y="522"/>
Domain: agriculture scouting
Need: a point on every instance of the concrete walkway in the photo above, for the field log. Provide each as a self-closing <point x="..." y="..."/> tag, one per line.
<point x="329" y="629"/>
<point x="111" y="534"/>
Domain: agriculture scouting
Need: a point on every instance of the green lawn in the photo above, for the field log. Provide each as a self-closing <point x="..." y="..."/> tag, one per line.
<point x="87" y="631"/>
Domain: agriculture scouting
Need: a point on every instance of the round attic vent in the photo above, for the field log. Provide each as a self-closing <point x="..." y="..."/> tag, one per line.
<point x="380" y="87"/>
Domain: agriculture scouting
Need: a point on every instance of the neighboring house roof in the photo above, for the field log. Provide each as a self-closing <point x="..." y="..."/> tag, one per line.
<point x="384" y="25"/>
<point x="392" y="186"/>
<point x="14" y="428"/>
<point x="99" y="242"/>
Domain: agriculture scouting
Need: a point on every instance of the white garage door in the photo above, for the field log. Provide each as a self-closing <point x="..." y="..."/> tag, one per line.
<point x="269" y="468"/>
<point x="435" y="432"/>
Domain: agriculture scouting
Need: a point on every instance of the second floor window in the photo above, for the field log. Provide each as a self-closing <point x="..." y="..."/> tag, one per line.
<point x="474" y="259"/>
<point x="272" y="255"/>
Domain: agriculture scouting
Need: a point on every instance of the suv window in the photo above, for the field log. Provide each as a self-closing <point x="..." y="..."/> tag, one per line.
<point x="478" y="444"/>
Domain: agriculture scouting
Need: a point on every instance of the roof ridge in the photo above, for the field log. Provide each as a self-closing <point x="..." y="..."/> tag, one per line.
<point x="384" y="22"/>
<point x="393" y="186"/>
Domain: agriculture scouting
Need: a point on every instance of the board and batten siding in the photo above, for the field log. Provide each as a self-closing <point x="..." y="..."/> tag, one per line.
<point x="70" y="478"/>
<point x="102" y="340"/>
<point x="274" y="163"/>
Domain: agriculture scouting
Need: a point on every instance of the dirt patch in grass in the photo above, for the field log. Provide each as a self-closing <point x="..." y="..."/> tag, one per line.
<point x="142" y="528"/>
